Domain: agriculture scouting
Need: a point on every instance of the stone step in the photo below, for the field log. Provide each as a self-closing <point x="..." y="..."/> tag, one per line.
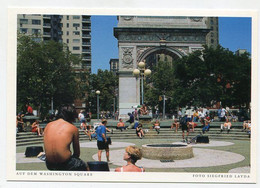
<point x="29" y="138"/>
<point x="37" y="142"/>
<point x="165" y="123"/>
<point x="132" y="133"/>
<point x="153" y="135"/>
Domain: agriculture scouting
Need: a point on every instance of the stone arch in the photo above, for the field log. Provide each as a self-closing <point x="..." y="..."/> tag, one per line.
<point x="175" y="53"/>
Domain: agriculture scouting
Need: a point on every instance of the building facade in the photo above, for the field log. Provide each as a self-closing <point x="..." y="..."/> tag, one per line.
<point x="114" y="65"/>
<point x="213" y="35"/>
<point x="73" y="30"/>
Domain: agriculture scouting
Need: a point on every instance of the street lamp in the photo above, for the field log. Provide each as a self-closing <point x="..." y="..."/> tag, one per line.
<point x="98" y="93"/>
<point x="142" y="72"/>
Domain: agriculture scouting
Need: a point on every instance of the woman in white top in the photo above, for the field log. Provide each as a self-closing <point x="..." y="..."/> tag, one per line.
<point x="132" y="154"/>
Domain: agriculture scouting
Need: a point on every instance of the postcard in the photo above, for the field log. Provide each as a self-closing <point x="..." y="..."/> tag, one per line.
<point x="185" y="108"/>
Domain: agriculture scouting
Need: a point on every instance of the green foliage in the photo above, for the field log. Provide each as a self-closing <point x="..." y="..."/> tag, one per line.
<point x="106" y="82"/>
<point x="202" y="79"/>
<point x="44" y="71"/>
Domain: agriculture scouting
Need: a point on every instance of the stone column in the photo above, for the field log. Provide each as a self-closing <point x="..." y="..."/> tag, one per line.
<point x="129" y="85"/>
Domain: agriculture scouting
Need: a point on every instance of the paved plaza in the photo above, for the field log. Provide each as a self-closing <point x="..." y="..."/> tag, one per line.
<point x="230" y="156"/>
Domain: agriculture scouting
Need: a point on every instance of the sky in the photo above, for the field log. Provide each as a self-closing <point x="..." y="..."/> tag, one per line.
<point x="234" y="34"/>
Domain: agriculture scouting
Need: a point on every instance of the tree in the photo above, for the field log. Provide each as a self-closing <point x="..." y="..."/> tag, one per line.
<point x="44" y="72"/>
<point x="162" y="82"/>
<point x="106" y="82"/>
<point x="202" y="79"/>
<point x="213" y="75"/>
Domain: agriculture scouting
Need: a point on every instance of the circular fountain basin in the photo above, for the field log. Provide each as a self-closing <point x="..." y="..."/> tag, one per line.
<point x="167" y="151"/>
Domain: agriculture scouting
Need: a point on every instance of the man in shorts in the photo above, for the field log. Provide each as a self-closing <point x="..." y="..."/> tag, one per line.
<point x="102" y="143"/>
<point x="58" y="136"/>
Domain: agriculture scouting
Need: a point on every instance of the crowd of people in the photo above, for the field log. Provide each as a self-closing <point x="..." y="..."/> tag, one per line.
<point x="61" y="133"/>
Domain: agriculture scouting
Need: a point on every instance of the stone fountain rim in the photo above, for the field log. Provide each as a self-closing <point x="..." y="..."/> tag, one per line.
<point x="184" y="146"/>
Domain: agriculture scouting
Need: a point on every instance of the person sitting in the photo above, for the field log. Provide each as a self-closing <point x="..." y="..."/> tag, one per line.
<point x="132" y="154"/>
<point x="206" y="124"/>
<point x="19" y="123"/>
<point x="246" y="125"/>
<point x="36" y="128"/>
<point x="29" y="110"/>
<point x="139" y="131"/>
<point x="156" y="126"/>
<point x="91" y="134"/>
<point x="143" y="110"/>
<point x="88" y="124"/>
<point x="195" y="116"/>
<point x="234" y="117"/>
<point x="131" y="120"/>
<point x="59" y="135"/>
<point x="227" y="125"/>
<point x="83" y="125"/>
<point x="121" y="125"/>
<point x="175" y="124"/>
<point x="192" y="125"/>
<point x="81" y="116"/>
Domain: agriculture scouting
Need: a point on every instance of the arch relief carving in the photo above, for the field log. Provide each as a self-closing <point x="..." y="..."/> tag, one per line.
<point x="127" y="59"/>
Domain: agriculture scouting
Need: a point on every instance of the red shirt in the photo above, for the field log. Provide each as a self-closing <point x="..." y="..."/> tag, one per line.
<point x="29" y="109"/>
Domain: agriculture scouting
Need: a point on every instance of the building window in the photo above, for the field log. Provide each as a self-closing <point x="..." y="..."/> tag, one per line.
<point x="36" y="22"/>
<point x="76" y="40"/>
<point x="36" y="31"/>
<point x="68" y="41"/>
<point x="76" y="17"/>
<point x="23" y="30"/>
<point x="76" y="25"/>
<point x="23" y="21"/>
<point x="68" y="17"/>
<point x="68" y="32"/>
<point x="212" y="41"/>
<point x="75" y="47"/>
<point x="68" y="25"/>
<point x="76" y="32"/>
<point x="36" y="39"/>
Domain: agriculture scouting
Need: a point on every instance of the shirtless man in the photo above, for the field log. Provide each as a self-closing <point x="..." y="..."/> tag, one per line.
<point x="144" y="110"/>
<point x="58" y="136"/>
<point x="121" y="125"/>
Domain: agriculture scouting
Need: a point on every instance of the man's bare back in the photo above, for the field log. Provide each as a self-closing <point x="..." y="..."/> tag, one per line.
<point x="58" y="135"/>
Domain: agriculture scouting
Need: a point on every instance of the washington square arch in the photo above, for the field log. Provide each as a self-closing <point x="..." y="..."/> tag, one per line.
<point x="148" y="38"/>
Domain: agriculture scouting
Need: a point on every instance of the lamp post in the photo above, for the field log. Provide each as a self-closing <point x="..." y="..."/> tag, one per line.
<point x="98" y="93"/>
<point x="142" y="72"/>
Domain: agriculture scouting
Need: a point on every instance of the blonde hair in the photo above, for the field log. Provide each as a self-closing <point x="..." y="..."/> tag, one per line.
<point x="134" y="152"/>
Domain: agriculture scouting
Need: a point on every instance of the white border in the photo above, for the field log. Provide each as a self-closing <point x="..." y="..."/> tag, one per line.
<point x="183" y="11"/>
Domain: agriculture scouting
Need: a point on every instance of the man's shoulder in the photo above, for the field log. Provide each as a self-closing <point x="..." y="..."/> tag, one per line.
<point x="61" y="122"/>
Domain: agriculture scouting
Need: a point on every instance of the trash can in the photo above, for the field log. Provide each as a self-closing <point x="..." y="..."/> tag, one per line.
<point x="33" y="151"/>
<point x="98" y="166"/>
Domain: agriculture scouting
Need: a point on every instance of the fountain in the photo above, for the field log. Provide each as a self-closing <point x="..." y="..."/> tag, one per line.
<point x="167" y="151"/>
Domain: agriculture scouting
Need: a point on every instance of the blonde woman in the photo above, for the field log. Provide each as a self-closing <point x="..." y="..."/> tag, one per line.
<point x="132" y="154"/>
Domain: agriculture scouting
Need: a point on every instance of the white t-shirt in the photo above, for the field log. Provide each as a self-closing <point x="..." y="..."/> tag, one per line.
<point x="223" y="112"/>
<point x="81" y="116"/>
